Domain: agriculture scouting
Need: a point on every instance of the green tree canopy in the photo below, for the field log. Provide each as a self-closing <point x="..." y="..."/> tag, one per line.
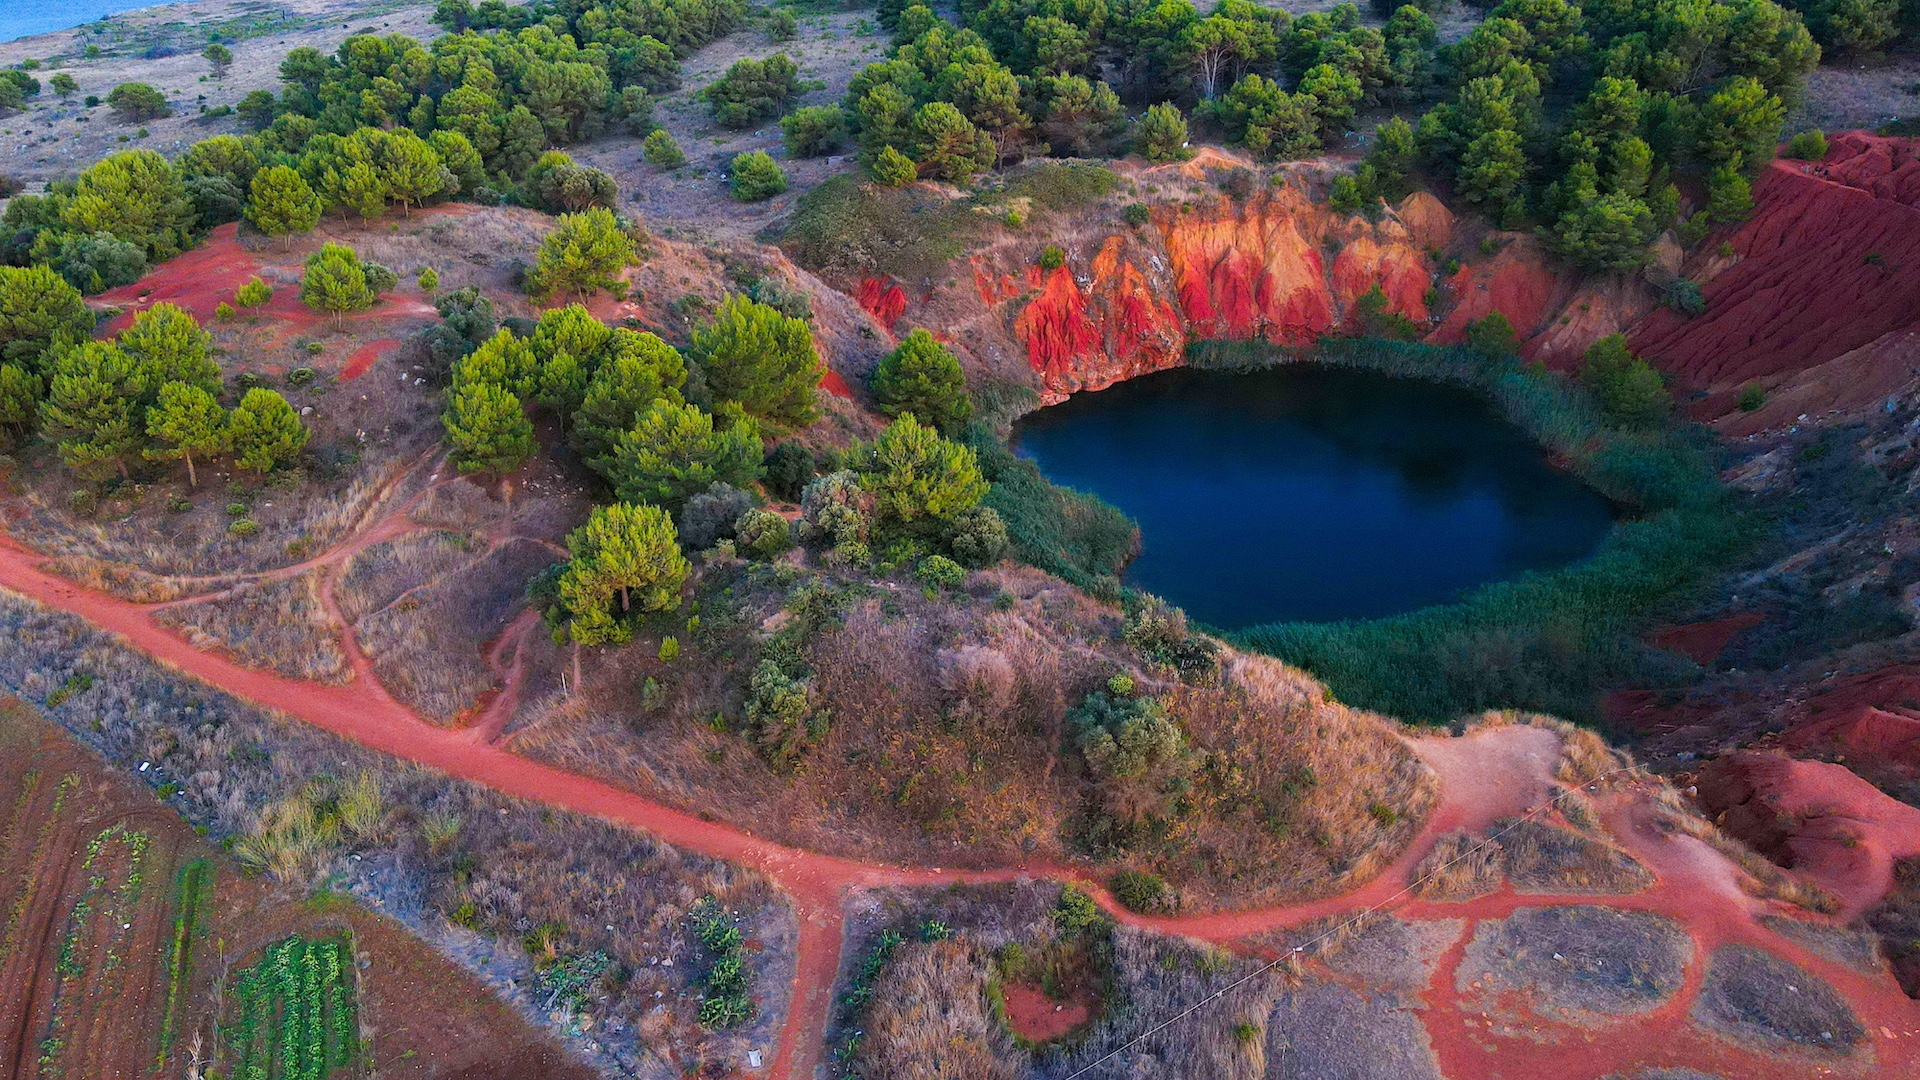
<point x="585" y="253"/>
<point x="39" y="310"/>
<point x="502" y="360"/>
<point x="923" y="377"/>
<point x="1631" y="392"/>
<point x="1163" y="133"/>
<point x="335" y="282"/>
<point x="919" y="481"/>
<point x="136" y="196"/>
<point x="186" y="421"/>
<point x="625" y="561"/>
<point x="488" y="429"/>
<point x="673" y="452"/>
<point x="948" y="146"/>
<point x="264" y="431"/>
<point x="752" y="354"/>
<point x="755" y="177"/>
<point x="136" y="101"/>
<point x="641" y="370"/>
<point x="168" y="345"/>
<point x="92" y="409"/>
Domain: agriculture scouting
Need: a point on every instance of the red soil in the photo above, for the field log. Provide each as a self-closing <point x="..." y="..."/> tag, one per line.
<point x="1495" y="773"/>
<point x="1829" y="262"/>
<point x="1248" y="271"/>
<point x="364" y="357"/>
<point x="1037" y="1018"/>
<point x="1819" y="819"/>
<point x="1402" y="274"/>
<point x="833" y="384"/>
<point x="1702" y="642"/>
<point x="1882" y="736"/>
<point x="883" y="298"/>
<point x="1516" y="282"/>
<point x="197" y="281"/>
<point x="1056" y="328"/>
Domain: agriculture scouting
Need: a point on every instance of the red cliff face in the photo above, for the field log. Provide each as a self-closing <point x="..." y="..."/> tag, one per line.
<point x="883" y="298"/>
<point x="1516" y="282"/>
<point x="1127" y="304"/>
<point x="1828" y="263"/>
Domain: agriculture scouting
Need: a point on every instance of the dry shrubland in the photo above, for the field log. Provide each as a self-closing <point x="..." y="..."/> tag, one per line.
<point x="1460" y="866"/>
<point x="931" y="1020"/>
<point x="381" y="573"/>
<point x="279" y="624"/>
<point x="947" y="736"/>
<point x="427" y="647"/>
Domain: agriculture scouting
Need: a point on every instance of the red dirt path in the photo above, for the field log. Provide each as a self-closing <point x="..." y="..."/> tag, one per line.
<point x="1495" y="773"/>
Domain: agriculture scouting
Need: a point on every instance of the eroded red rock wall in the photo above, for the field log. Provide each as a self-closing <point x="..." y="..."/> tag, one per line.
<point x="1829" y="262"/>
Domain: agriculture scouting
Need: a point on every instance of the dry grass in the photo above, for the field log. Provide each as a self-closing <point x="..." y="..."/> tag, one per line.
<point x="947" y="741"/>
<point x="1461" y="866"/>
<point x="297" y="521"/>
<point x="128" y="582"/>
<point x="380" y="574"/>
<point x="428" y="647"/>
<point x="930" y="1019"/>
<point x="1543" y="858"/>
<point x="457" y="504"/>
<point x="278" y="624"/>
<point x="1590" y="961"/>
<point x="1741" y="998"/>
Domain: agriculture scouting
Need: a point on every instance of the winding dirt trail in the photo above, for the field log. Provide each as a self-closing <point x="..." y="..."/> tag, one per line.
<point x="1495" y="773"/>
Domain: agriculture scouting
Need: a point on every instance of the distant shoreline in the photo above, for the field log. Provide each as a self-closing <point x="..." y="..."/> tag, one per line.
<point x="18" y="21"/>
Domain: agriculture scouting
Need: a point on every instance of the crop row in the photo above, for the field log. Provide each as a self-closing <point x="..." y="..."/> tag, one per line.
<point x="116" y="858"/>
<point x="27" y="878"/>
<point x="193" y="884"/>
<point x="296" y="1012"/>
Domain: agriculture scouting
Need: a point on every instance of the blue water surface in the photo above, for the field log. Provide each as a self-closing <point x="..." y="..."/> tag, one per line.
<point x="24" y="18"/>
<point x="1312" y="493"/>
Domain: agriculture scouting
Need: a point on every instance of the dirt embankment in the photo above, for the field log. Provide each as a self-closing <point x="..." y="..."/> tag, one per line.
<point x="1816" y="296"/>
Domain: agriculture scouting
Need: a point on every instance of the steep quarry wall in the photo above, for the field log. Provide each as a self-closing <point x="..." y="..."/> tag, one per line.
<point x="1827" y="266"/>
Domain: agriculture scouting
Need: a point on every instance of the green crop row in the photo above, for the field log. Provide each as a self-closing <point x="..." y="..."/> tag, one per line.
<point x="192" y="887"/>
<point x="296" y="1013"/>
<point x="724" y="1001"/>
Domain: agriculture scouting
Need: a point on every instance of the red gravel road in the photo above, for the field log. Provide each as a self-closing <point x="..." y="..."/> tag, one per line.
<point x="1499" y="772"/>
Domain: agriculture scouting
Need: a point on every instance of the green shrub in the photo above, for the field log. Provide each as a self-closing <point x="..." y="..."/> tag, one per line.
<point x="814" y="130"/>
<point x="1808" y="145"/>
<point x="1142" y="892"/>
<point x="762" y="534"/>
<point x="661" y="151"/>
<point x="755" y="177"/>
<point x="669" y="649"/>
<point x="138" y="101"/>
<point x="428" y="279"/>
<point x="940" y="572"/>
<point x="752" y="90"/>
<point x="894" y="169"/>
<point x="253" y="294"/>
<point x="1752" y="397"/>
<point x="1137" y="214"/>
<point x="1052" y="258"/>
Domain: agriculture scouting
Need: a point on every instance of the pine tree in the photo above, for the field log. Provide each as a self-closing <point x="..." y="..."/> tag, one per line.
<point x="186" y="421"/>
<point x="488" y="429"/>
<point x="893" y="168"/>
<point x="624" y="554"/>
<point x="282" y="203"/>
<point x="918" y="480"/>
<point x="265" y="432"/>
<point x="411" y="169"/>
<point x="335" y="283"/>
<point x="20" y="391"/>
<point x="39" y="310"/>
<point x="167" y="345"/>
<point x="673" y="452"/>
<point x="923" y="377"/>
<point x="584" y="254"/>
<point x="91" y="407"/>
<point x="754" y="355"/>
<point x="641" y="370"/>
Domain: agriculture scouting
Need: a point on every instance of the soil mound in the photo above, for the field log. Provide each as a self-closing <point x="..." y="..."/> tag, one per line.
<point x="1825" y="265"/>
<point x="1817" y="818"/>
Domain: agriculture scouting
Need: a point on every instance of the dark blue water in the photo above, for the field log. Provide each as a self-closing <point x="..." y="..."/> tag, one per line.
<point x="1313" y="493"/>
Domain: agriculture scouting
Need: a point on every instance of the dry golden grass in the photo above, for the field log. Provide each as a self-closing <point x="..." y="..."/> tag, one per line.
<point x="278" y="624"/>
<point x="458" y="504"/>
<point x="947" y="740"/>
<point x="1461" y="866"/>
<point x="1542" y="858"/>
<point x="930" y="1019"/>
<point x="379" y="575"/>
<point x="128" y="582"/>
<point x="1762" y="877"/>
<point x="428" y="647"/>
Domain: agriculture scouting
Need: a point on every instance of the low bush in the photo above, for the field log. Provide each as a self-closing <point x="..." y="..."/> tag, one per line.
<point x="756" y="177"/>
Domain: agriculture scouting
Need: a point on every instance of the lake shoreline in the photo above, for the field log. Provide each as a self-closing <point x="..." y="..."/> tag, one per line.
<point x="56" y="17"/>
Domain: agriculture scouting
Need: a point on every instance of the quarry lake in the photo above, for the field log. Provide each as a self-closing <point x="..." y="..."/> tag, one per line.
<point x="1312" y="493"/>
